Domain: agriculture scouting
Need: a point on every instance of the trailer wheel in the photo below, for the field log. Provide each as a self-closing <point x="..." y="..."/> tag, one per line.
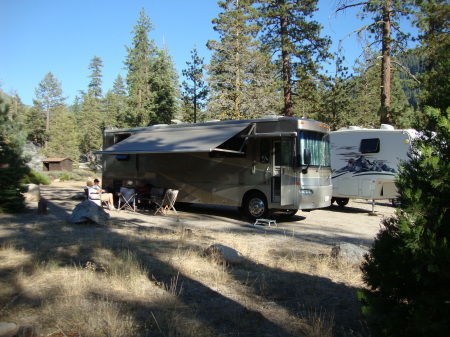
<point x="395" y="202"/>
<point x="342" y="201"/>
<point x="256" y="206"/>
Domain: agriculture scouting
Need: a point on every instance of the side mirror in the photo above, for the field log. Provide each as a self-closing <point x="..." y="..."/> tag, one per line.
<point x="307" y="156"/>
<point x="306" y="160"/>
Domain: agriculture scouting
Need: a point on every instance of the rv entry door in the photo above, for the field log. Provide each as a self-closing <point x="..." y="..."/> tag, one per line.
<point x="283" y="178"/>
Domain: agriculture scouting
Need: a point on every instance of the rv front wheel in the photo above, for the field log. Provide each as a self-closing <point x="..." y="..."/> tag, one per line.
<point x="342" y="201"/>
<point x="256" y="206"/>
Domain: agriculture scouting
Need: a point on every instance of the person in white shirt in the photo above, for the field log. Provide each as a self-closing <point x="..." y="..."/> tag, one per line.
<point x="108" y="197"/>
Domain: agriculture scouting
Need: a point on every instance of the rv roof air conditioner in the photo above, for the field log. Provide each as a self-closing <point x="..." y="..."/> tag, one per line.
<point x="386" y="127"/>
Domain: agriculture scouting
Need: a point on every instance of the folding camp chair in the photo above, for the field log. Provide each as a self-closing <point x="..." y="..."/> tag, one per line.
<point x="167" y="202"/>
<point x="94" y="197"/>
<point x="127" y="199"/>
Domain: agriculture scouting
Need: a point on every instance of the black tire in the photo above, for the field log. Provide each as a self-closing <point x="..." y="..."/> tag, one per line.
<point x="342" y="201"/>
<point x="290" y="213"/>
<point x="255" y="206"/>
<point x="333" y="200"/>
<point x="395" y="202"/>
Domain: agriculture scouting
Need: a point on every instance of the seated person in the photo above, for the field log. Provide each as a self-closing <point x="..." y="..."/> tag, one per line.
<point x="108" y="197"/>
<point x="93" y="194"/>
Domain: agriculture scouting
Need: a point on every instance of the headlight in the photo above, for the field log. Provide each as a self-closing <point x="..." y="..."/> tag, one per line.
<point x="306" y="192"/>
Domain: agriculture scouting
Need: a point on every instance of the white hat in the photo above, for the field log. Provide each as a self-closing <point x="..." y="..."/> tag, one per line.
<point x="130" y="182"/>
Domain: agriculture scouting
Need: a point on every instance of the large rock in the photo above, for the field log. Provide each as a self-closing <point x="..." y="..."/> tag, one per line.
<point x="33" y="193"/>
<point x="224" y="254"/>
<point x="31" y="150"/>
<point x="348" y="252"/>
<point x="8" y="329"/>
<point x="88" y="211"/>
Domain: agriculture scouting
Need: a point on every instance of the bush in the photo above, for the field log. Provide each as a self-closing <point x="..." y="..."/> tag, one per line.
<point x="65" y="177"/>
<point x="12" y="164"/>
<point x="407" y="268"/>
<point x="37" y="178"/>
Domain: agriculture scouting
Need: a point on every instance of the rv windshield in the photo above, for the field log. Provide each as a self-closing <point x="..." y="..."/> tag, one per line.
<point x="319" y="145"/>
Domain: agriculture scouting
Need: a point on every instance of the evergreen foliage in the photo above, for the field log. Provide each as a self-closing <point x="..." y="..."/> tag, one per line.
<point x="151" y="79"/>
<point x="95" y="86"/>
<point x="407" y="270"/>
<point x="408" y="266"/>
<point x="384" y="30"/>
<point x="116" y="105"/>
<point x="242" y="78"/>
<point x="163" y="88"/>
<point x="49" y="100"/>
<point x="434" y="24"/>
<point x="12" y="164"/>
<point x="196" y="90"/>
<point x="289" y="33"/>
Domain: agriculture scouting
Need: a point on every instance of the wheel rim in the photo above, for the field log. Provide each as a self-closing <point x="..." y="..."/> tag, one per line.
<point x="256" y="207"/>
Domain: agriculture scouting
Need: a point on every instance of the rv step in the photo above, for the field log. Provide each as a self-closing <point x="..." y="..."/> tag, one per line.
<point x="263" y="222"/>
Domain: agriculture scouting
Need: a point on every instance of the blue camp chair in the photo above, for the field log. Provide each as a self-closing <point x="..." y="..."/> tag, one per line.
<point x="127" y="199"/>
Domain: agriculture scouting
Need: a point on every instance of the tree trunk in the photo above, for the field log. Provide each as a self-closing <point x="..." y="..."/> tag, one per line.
<point x="386" y="65"/>
<point x="286" y="68"/>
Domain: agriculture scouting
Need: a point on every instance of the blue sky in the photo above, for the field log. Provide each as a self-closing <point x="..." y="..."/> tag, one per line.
<point x="62" y="36"/>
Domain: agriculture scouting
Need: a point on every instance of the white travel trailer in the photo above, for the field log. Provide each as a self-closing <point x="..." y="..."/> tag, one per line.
<point x="262" y="165"/>
<point x="365" y="161"/>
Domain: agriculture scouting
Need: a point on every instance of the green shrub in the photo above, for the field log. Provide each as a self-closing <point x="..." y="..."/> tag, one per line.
<point x="408" y="267"/>
<point x="65" y="177"/>
<point x="37" y="178"/>
<point x="12" y="164"/>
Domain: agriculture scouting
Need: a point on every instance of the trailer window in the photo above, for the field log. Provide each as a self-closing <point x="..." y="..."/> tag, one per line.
<point x="370" y="145"/>
<point x="319" y="145"/>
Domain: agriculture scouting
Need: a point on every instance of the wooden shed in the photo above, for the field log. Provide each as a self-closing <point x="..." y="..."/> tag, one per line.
<point x="58" y="164"/>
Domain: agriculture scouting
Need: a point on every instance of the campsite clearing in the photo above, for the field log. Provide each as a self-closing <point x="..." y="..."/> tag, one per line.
<point x="146" y="275"/>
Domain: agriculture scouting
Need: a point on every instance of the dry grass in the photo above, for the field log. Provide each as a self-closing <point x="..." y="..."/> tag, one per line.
<point x="153" y="281"/>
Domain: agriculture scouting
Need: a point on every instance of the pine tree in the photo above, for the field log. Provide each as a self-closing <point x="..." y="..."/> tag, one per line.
<point x="288" y="33"/>
<point x="116" y="105"/>
<point x="242" y="80"/>
<point x="407" y="270"/>
<point x="12" y="164"/>
<point x="49" y="98"/>
<point x="385" y="27"/>
<point x="139" y="63"/>
<point x="63" y="136"/>
<point x="196" y="90"/>
<point x="164" y="88"/>
<point x="95" y="86"/>
<point x="434" y="24"/>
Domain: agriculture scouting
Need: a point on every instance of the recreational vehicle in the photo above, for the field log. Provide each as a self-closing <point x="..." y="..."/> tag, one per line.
<point x="365" y="161"/>
<point x="262" y="165"/>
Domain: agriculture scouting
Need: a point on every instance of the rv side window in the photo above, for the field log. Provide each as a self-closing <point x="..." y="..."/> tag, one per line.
<point x="264" y="151"/>
<point x="370" y="145"/>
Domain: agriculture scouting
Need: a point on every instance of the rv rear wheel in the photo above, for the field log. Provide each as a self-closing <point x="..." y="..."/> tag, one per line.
<point x="342" y="201"/>
<point x="256" y="206"/>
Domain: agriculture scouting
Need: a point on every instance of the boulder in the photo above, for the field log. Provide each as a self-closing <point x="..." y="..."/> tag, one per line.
<point x="224" y="254"/>
<point x="8" y="329"/>
<point x="33" y="193"/>
<point x="348" y="252"/>
<point x="87" y="211"/>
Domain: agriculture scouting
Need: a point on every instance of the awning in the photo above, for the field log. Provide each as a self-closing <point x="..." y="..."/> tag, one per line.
<point x="183" y="139"/>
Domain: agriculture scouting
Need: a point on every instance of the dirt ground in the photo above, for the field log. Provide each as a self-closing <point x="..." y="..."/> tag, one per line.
<point x="354" y="223"/>
<point x="271" y="284"/>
